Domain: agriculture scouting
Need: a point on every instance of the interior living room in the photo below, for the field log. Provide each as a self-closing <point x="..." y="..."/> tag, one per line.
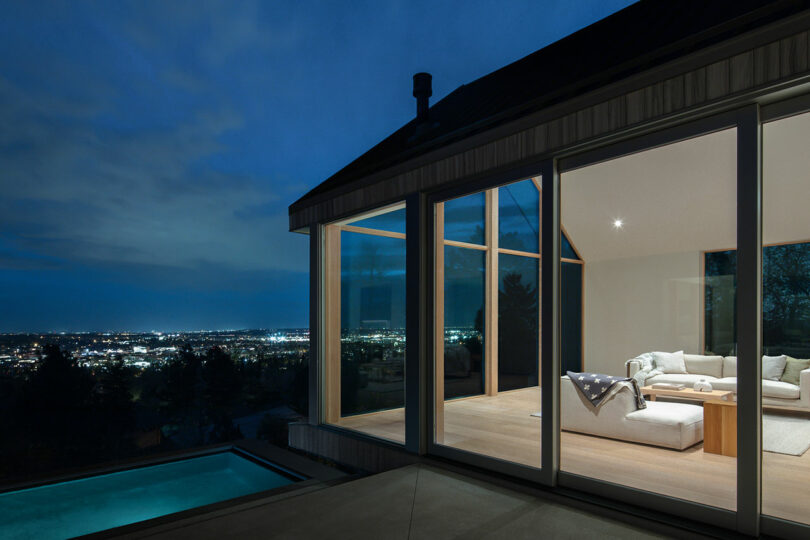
<point x="648" y="277"/>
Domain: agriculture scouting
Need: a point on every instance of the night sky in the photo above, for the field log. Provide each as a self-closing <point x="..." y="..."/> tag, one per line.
<point x="149" y="150"/>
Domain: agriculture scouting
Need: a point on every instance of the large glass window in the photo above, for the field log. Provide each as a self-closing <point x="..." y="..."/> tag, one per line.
<point x="786" y="319"/>
<point x="647" y="237"/>
<point x="571" y="312"/>
<point x="464" y="290"/>
<point x="464" y="219"/>
<point x="488" y="305"/>
<point x="518" y="316"/>
<point x="519" y="217"/>
<point x="364" y="323"/>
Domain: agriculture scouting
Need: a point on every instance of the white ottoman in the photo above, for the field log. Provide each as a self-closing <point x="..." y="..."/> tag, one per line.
<point x="672" y="425"/>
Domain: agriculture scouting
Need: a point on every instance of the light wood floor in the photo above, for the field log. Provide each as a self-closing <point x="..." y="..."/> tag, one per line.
<point x="502" y="426"/>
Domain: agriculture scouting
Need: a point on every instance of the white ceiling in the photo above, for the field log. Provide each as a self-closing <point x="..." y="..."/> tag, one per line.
<point x="682" y="197"/>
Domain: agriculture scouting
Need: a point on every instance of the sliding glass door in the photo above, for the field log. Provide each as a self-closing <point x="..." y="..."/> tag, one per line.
<point x="653" y="230"/>
<point x="785" y="411"/>
<point x="660" y="261"/>
<point x="487" y="315"/>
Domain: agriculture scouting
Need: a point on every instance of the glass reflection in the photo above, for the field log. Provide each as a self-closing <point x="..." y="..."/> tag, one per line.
<point x="464" y="219"/>
<point x="518" y="332"/>
<point x="463" y="321"/>
<point x="390" y="221"/>
<point x="571" y="317"/>
<point x="519" y="217"/>
<point x="372" y="311"/>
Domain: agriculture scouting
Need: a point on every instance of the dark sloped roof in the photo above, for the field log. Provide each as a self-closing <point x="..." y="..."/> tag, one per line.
<point x="643" y="35"/>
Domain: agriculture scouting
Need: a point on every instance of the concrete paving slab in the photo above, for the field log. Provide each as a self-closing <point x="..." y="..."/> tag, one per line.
<point x="450" y="505"/>
<point x="414" y="502"/>
<point x="376" y="506"/>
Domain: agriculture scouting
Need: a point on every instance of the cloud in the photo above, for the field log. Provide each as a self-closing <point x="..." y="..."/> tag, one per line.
<point x="183" y="79"/>
<point x="75" y="188"/>
<point x="222" y="31"/>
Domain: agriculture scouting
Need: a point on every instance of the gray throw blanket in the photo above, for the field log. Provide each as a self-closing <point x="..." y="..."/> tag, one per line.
<point x="595" y="387"/>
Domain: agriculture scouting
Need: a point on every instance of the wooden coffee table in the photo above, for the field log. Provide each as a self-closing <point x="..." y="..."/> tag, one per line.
<point x="719" y="417"/>
<point x="688" y="393"/>
<point x="720" y="427"/>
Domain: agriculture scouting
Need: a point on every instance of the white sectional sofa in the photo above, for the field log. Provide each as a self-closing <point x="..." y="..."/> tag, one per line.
<point x="672" y="425"/>
<point x="721" y="372"/>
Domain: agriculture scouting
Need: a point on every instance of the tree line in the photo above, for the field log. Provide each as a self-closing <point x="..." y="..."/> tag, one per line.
<point x="64" y="415"/>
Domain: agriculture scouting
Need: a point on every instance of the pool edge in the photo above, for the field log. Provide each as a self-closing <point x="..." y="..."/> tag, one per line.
<point x="265" y="497"/>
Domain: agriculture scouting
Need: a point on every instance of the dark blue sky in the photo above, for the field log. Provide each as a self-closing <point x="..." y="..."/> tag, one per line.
<point x="149" y="150"/>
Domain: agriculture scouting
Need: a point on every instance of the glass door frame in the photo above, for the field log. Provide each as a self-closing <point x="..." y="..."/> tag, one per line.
<point x="749" y="189"/>
<point x="748" y="193"/>
<point x="778" y="110"/>
<point x="533" y="474"/>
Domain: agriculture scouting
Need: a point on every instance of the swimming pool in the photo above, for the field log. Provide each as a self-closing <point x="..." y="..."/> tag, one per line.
<point x="101" y="502"/>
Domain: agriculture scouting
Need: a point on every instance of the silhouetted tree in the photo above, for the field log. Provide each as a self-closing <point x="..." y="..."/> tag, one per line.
<point x="298" y="391"/>
<point x="183" y="382"/>
<point x="183" y="390"/>
<point x="114" y="408"/>
<point x="721" y="302"/>
<point x="786" y="299"/>
<point x="517" y="329"/>
<point x="57" y="405"/>
<point x="222" y="388"/>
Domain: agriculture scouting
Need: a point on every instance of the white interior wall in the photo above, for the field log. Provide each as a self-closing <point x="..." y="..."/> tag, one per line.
<point x="643" y="280"/>
<point x="640" y="304"/>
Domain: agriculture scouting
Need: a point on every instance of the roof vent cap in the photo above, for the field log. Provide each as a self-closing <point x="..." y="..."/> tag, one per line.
<point x="422" y="90"/>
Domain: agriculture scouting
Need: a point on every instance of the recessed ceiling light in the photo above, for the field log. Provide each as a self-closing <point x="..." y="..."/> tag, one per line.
<point x="617" y="223"/>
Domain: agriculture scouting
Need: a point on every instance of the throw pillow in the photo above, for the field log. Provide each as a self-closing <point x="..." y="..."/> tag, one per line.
<point x="730" y="366"/>
<point x="670" y="362"/>
<point x="792" y="369"/>
<point x="773" y="366"/>
<point x="704" y="365"/>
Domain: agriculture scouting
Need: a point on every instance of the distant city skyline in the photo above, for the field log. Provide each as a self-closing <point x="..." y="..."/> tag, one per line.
<point x="149" y="150"/>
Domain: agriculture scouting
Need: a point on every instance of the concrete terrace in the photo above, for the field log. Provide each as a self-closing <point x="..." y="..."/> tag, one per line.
<point x="416" y="501"/>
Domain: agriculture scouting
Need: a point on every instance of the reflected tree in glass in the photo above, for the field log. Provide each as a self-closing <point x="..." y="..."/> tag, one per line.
<point x="721" y="302"/>
<point x="786" y="300"/>
<point x="464" y="321"/>
<point x="518" y="332"/>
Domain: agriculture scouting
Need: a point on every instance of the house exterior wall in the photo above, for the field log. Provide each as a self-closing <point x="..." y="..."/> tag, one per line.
<point x="764" y="69"/>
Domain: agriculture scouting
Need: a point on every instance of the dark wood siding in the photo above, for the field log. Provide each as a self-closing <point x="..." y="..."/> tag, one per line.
<point x="747" y="74"/>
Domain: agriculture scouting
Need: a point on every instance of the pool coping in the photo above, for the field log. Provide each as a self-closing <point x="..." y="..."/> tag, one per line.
<point x="310" y="475"/>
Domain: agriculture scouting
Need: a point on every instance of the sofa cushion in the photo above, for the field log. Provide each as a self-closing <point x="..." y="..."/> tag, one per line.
<point x="669" y="362"/>
<point x="666" y="413"/>
<point x="779" y="389"/>
<point x="704" y="365"/>
<point x="728" y="384"/>
<point x="792" y="369"/>
<point x="729" y="366"/>
<point x="687" y="379"/>
<point x="773" y="366"/>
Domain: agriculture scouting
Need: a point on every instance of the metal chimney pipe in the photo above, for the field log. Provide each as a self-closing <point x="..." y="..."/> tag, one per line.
<point x="422" y="91"/>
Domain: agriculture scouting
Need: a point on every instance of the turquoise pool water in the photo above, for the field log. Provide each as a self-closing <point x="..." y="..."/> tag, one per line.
<point x="101" y="502"/>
